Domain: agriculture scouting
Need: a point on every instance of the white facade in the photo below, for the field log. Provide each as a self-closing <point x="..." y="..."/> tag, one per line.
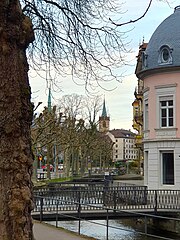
<point x="156" y="168"/>
<point x="123" y="147"/>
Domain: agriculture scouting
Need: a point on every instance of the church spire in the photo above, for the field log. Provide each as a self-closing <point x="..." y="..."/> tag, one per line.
<point x="104" y="112"/>
<point x="104" y="120"/>
<point x="49" y="100"/>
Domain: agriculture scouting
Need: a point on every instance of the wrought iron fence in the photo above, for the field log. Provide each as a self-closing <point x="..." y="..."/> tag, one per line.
<point x="45" y="204"/>
<point x="122" y="198"/>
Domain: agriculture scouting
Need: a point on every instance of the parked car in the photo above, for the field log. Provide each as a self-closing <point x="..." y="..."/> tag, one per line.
<point x="114" y="172"/>
<point x="60" y="167"/>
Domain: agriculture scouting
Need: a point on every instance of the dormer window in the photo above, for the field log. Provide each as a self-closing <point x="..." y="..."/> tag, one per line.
<point x="144" y="60"/>
<point x="165" y="55"/>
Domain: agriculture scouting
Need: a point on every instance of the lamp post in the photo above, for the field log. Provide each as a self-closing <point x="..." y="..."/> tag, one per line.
<point x="35" y="162"/>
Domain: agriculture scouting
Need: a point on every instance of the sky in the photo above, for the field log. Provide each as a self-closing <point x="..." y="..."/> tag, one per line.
<point x="118" y="101"/>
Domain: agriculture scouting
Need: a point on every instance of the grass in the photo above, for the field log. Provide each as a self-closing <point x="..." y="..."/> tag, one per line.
<point x="46" y="181"/>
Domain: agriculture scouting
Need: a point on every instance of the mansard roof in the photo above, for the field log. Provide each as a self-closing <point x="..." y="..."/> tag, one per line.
<point x="163" y="50"/>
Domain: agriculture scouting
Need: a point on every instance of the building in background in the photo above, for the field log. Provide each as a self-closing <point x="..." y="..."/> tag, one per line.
<point x="159" y="68"/>
<point x="123" y="145"/>
<point x="138" y="111"/>
<point x="122" y="141"/>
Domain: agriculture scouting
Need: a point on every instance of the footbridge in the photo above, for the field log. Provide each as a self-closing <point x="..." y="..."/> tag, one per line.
<point x="94" y="200"/>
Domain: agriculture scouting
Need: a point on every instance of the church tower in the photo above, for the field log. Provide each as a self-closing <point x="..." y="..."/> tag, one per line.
<point x="104" y="120"/>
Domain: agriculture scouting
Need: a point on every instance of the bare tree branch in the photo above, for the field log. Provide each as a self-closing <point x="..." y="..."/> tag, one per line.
<point x="132" y="21"/>
<point x="76" y="37"/>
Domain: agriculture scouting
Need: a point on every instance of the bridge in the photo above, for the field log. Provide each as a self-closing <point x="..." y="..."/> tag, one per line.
<point x="95" y="200"/>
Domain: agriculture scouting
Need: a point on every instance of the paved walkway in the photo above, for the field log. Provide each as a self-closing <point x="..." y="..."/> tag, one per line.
<point x="129" y="179"/>
<point x="43" y="231"/>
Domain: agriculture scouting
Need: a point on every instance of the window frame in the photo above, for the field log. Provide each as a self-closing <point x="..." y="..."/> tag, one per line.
<point x="161" y="59"/>
<point x="165" y="110"/>
<point x="144" y="57"/>
<point x="146" y="110"/>
<point x="146" y="115"/>
<point x="167" y="169"/>
<point x="165" y="92"/>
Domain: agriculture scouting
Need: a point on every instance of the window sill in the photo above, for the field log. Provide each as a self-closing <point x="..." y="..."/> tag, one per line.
<point x="146" y="134"/>
<point x="165" y="132"/>
<point x="165" y="128"/>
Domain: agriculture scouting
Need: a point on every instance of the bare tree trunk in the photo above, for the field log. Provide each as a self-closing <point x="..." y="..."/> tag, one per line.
<point x="15" y="120"/>
<point x="48" y="161"/>
<point x="66" y="163"/>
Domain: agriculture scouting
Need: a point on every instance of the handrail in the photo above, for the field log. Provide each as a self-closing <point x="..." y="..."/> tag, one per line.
<point x="117" y="197"/>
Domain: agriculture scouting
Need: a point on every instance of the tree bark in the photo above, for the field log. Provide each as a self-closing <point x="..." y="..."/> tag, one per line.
<point x="16" y="110"/>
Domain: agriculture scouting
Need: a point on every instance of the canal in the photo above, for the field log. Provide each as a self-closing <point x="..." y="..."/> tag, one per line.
<point x="125" y="229"/>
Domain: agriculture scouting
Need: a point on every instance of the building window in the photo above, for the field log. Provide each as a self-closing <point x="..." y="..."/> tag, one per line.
<point x="165" y="106"/>
<point x="146" y="116"/>
<point x="144" y="60"/>
<point x="165" y="55"/>
<point x="167" y="167"/>
<point x="166" y="113"/>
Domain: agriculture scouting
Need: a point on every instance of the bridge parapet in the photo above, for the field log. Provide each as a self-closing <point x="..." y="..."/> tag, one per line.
<point x="123" y="198"/>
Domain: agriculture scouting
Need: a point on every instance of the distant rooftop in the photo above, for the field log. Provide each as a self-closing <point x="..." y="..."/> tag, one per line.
<point x="122" y="133"/>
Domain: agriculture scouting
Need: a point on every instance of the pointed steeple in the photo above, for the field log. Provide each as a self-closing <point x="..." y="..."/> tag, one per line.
<point x="104" y="120"/>
<point x="104" y="112"/>
<point x="49" y="100"/>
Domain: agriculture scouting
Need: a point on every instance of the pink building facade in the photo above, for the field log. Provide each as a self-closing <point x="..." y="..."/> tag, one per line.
<point x="160" y="72"/>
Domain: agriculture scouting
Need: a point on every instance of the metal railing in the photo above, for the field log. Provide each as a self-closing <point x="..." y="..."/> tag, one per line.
<point x="118" y="198"/>
<point x="55" y="205"/>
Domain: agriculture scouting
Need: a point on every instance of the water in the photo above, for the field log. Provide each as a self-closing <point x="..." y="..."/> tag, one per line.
<point x="126" y="229"/>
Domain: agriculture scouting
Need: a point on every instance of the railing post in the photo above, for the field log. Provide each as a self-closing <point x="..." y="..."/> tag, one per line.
<point x="104" y="196"/>
<point x="155" y="199"/>
<point x="79" y="212"/>
<point x="114" y="200"/>
<point x="56" y="213"/>
<point x="107" y="224"/>
<point x="41" y="209"/>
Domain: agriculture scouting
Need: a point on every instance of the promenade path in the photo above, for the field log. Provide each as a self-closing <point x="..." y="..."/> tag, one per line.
<point x="43" y="231"/>
<point x="133" y="179"/>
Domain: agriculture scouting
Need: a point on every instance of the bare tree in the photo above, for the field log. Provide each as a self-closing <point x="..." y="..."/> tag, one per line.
<point x="71" y="105"/>
<point x="92" y="107"/>
<point x="77" y="38"/>
<point x="44" y="132"/>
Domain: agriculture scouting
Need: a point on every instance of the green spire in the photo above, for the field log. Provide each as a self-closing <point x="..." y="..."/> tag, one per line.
<point x="104" y="113"/>
<point x="49" y="100"/>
